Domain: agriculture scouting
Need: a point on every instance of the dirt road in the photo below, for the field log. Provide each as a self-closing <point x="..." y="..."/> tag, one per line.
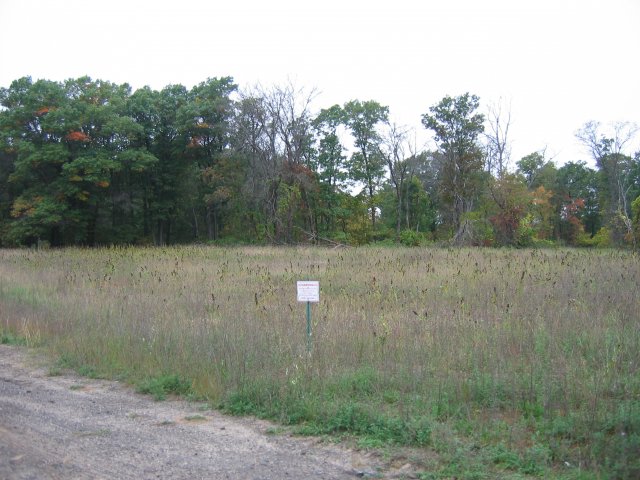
<point x="70" y="427"/>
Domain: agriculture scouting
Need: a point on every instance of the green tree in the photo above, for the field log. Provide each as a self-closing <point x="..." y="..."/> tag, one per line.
<point x="456" y="126"/>
<point x="329" y="160"/>
<point x="105" y="152"/>
<point x="171" y="180"/>
<point x="537" y="171"/>
<point x="78" y="158"/>
<point x="616" y="171"/>
<point x="35" y="158"/>
<point x="366" y="165"/>
<point x="425" y="167"/>
<point x="32" y="143"/>
<point x="354" y="219"/>
<point x="6" y="195"/>
<point x="635" y="210"/>
<point x="205" y="120"/>
<point x="330" y="165"/>
<point x="418" y="213"/>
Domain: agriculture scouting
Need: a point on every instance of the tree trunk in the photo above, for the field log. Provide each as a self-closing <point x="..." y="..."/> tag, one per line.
<point x="91" y="227"/>
<point x="145" y="216"/>
<point x="196" y="231"/>
<point x="372" y="206"/>
<point x="210" y="226"/>
<point x="399" y="213"/>
<point x="216" y="225"/>
<point x="407" y="205"/>
<point x="159" y="240"/>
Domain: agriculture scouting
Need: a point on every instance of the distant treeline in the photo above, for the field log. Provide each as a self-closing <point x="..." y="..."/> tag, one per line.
<point x="89" y="162"/>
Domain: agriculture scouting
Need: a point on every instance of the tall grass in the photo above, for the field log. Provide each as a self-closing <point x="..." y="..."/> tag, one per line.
<point x="534" y="355"/>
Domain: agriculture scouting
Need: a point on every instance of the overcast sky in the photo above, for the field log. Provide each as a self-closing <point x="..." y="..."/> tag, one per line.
<point x="559" y="63"/>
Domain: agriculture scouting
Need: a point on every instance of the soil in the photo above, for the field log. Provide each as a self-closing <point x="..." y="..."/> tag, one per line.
<point x="71" y="427"/>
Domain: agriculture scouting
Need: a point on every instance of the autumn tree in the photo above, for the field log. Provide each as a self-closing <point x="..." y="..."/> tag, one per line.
<point x="290" y="112"/>
<point x="105" y="150"/>
<point x="511" y="201"/>
<point x="33" y="146"/>
<point x="77" y="152"/>
<point x="541" y="213"/>
<point x="273" y="130"/>
<point x="575" y="181"/>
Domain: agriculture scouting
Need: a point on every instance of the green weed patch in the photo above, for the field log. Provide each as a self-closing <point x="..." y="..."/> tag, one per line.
<point x="8" y="338"/>
<point x="161" y="386"/>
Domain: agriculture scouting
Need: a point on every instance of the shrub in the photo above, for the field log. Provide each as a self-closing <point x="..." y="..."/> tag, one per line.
<point x="602" y="239"/>
<point x="410" y="238"/>
<point x="526" y="232"/>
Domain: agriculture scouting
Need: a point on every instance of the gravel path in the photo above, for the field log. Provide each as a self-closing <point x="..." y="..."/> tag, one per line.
<point x="70" y="427"/>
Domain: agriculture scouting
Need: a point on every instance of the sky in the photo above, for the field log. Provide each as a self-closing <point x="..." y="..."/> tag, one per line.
<point x="554" y="64"/>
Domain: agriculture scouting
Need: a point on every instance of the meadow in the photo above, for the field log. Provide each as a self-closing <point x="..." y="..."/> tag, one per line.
<point x="478" y="363"/>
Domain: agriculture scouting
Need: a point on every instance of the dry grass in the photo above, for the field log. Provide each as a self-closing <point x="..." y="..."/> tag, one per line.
<point x="494" y="337"/>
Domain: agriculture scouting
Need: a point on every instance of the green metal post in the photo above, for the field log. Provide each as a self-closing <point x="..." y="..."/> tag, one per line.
<point x="309" y="327"/>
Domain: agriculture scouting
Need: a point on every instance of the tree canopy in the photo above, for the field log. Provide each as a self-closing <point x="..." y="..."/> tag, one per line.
<point x="90" y="162"/>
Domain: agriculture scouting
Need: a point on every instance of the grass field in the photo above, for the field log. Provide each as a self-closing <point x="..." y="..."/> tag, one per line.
<point x="484" y="363"/>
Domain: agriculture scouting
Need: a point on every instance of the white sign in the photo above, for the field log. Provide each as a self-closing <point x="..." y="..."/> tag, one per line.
<point x="308" y="291"/>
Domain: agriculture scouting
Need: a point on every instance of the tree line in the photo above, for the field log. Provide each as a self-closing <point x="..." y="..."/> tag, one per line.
<point x="90" y="162"/>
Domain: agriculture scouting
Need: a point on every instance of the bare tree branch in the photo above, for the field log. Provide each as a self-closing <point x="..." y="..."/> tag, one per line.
<point x="498" y="148"/>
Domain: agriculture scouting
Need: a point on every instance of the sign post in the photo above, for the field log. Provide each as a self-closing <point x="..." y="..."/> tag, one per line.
<point x="308" y="291"/>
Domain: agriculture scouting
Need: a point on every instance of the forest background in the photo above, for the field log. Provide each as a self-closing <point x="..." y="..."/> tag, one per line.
<point x="90" y="162"/>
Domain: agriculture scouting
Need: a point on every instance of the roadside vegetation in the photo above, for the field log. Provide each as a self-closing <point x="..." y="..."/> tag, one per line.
<point x="481" y="363"/>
